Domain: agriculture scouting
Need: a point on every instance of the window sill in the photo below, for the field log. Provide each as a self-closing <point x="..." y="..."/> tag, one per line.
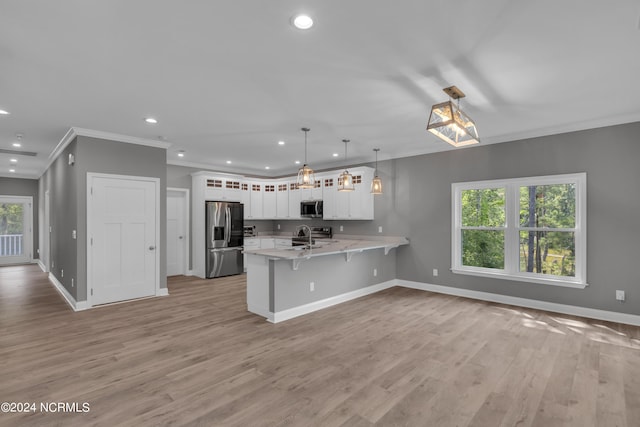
<point x="519" y="278"/>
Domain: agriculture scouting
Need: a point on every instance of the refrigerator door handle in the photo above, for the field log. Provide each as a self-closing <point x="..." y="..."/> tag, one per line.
<point x="228" y="225"/>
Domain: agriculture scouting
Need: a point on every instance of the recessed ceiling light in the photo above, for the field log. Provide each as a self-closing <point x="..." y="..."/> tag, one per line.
<point x="17" y="144"/>
<point x="302" y="22"/>
<point x="4" y="113"/>
<point x="267" y="167"/>
<point x="335" y="154"/>
<point x="280" y="142"/>
<point x="228" y="162"/>
<point x="13" y="160"/>
<point x="297" y="162"/>
<point x="181" y="153"/>
<point x="151" y="120"/>
<point x="12" y="170"/>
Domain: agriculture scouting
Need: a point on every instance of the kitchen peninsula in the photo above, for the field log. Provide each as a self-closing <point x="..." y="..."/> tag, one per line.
<point x="289" y="282"/>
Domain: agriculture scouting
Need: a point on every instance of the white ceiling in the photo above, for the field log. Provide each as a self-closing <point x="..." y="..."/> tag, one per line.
<point x="227" y="79"/>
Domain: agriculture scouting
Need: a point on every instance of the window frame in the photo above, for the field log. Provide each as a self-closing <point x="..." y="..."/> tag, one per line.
<point x="513" y="227"/>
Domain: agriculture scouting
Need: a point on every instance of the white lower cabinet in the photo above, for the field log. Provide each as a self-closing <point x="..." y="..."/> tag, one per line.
<point x="282" y="243"/>
<point x="267" y="243"/>
<point x="250" y="243"/>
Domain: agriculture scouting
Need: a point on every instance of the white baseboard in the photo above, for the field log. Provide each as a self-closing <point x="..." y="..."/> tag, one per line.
<point x="261" y="312"/>
<point x="162" y="292"/>
<point x="189" y="273"/>
<point x="75" y="306"/>
<point x="593" y="313"/>
<point x="41" y="265"/>
<point x="283" y="315"/>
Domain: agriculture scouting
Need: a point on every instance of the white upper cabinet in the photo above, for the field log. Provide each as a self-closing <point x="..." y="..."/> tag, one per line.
<point x="280" y="199"/>
<point x="357" y="204"/>
<point x="269" y="200"/>
<point x="314" y="193"/>
<point x="295" y="197"/>
<point x="222" y="188"/>
<point x="255" y="210"/>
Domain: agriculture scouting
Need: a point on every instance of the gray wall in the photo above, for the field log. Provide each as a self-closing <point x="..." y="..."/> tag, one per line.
<point x="332" y="276"/>
<point x="61" y="181"/>
<point x="609" y="156"/>
<point x="67" y="186"/>
<point x="24" y="187"/>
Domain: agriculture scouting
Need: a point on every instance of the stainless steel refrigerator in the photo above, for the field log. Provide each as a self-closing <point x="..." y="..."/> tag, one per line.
<point x="225" y="222"/>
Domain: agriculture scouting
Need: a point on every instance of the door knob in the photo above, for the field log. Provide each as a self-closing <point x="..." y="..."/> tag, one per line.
<point x="151" y="248"/>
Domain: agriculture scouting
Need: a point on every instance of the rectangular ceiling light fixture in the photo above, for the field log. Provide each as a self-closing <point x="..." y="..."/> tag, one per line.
<point x="449" y="123"/>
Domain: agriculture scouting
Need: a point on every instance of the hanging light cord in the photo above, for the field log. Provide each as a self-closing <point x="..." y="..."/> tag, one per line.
<point x="305" y="130"/>
<point x="376" y="150"/>
<point x="345" y="148"/>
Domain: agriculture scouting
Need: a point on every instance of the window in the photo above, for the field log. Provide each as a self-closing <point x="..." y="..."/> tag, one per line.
<point x="527" y="229"/>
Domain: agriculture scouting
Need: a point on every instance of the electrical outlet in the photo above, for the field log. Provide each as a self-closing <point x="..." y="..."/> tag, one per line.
<point x="72" y="282"/>
<point x="380" y="229"/>
<point x="435" y="272"/>
<point x="620" y="295"/>
<point x="73" y="234"/>
<point x="312" y="286"/>
<point x="62" y="273"/>
<point x="375" y="272"/>
<point x="278" y="226"/>
<point x="341" y="228"/>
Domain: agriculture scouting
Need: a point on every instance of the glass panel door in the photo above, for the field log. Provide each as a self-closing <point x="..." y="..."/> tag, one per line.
<point x="15" y="230"/>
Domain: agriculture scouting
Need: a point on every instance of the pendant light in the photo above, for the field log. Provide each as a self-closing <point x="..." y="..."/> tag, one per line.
<point x="345" y="180"/>
<point x="449" y="123"/>
<point x="376" y="184"/>
<point x="306" y="177"/>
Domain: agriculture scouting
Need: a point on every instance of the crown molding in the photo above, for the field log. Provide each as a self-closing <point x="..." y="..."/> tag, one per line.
<point x="74" y="132"/>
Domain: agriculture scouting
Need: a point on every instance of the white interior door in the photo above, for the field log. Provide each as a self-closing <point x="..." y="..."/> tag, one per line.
<point x="123" y="234"/>
<point x="176" y="232"/>
<point x="15" y="229"/>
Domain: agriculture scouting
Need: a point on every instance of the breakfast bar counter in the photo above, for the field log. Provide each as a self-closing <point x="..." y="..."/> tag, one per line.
<point x="283" y="283"/>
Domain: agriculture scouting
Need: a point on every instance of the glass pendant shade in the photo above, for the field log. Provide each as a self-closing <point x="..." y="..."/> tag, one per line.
<point x="306" y="177"/>
<point x="452" y="125"/>
<point x="345" y="181"/>
<point x="376" y="185"/>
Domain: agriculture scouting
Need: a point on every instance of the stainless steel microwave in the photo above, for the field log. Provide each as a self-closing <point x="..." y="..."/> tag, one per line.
<point x="311" y="209"/>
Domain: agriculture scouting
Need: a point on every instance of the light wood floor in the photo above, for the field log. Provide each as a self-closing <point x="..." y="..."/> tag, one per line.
<point x="401" y="357"/>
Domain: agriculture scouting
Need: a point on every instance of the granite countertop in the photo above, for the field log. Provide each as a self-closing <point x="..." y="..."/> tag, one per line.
<point x="341" y="244"/>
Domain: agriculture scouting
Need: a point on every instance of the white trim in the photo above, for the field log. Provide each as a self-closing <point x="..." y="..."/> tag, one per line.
<point x="512" y="229"/>
<point x="522" y="277"/>
<point x="41" y="265"/>
<point x="75" y="131"/>
<point x="592" y="313"/>
<point x="162" y="292"/>
<point x="156" y="181"/>
<point x="283" y="315"/>
<point x="69" y="299"/>
<point x="27" y="235"/>
<point x="260" y="312"/>
<point x="189" y="273"/>
<point x="187" y="224"/>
